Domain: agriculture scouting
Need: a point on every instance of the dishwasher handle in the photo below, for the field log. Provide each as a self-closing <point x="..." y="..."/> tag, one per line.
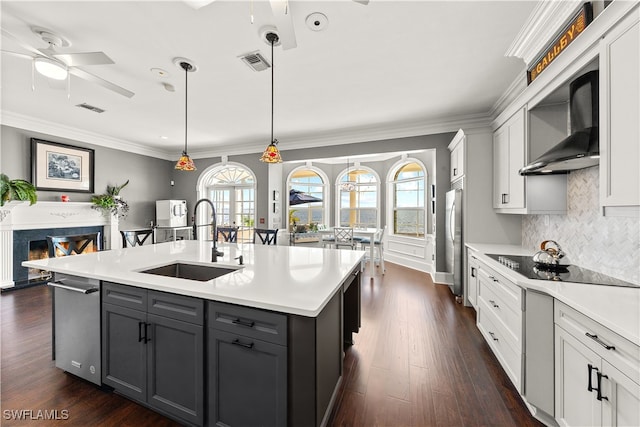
<point x="83" y="290"/>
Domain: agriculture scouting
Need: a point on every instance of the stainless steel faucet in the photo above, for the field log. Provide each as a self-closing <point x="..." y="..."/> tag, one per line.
<point x="215" y="253"/>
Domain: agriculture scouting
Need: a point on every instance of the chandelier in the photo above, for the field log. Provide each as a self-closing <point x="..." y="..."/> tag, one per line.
<point x="348" y="185"/>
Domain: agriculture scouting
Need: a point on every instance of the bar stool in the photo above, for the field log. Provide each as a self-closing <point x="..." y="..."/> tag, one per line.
<point x="265" y="236"/>
<point x="60" y="246"/>
<point x="228" y="234"/>
<point x="131" y="238"/>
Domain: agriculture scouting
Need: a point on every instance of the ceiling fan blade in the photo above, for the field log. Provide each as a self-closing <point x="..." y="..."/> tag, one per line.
<point x="100" y="81"/>
<point x="20" y="42"/>
<point x="19" y="55"/>
<point x="284" y="23"/>
<point x="84" y="58"/>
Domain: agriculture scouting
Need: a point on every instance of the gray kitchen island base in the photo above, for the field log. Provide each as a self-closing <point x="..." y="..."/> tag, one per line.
<point x="231" y="365"/>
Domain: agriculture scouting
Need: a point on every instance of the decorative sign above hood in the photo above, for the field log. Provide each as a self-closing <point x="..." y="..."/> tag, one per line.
<point x="569" y="34"/>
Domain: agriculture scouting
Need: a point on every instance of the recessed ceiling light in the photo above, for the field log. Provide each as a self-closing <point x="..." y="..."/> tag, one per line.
<point x="164" y="137"/>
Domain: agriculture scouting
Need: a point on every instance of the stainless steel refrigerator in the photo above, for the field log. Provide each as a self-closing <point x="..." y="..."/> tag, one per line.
<point x="453" y="239"/>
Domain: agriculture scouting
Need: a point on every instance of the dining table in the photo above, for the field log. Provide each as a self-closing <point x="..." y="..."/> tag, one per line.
<point x="368" y="232"/>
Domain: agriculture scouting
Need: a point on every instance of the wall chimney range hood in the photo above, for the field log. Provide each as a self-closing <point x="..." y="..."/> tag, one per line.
<point x="580" y="149"/>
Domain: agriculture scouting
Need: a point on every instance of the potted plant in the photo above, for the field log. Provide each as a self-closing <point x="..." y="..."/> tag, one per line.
<point x="16" y="189"/>
<point x="111" y="202"/>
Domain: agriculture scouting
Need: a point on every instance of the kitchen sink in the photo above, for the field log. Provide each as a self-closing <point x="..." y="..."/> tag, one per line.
<point x="182" y="270"/>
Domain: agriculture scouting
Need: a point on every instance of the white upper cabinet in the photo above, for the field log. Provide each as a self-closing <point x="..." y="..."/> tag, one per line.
<point x="457" y="156"/>
<point x="513" y="193"/>
<point x="620" y="114"/>
<point x="508" y="155"/>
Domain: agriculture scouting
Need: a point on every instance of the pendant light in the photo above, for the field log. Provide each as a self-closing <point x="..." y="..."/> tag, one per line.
<point x="185" y="163"/>
<point x="271" y="154"/>
<point x="348" y="185"/>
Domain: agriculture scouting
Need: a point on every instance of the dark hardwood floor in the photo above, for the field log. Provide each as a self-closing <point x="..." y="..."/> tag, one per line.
<point x="418" y="360"/>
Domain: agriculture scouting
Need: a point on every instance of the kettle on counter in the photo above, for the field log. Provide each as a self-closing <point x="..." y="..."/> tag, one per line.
<point x="549" y="256"/>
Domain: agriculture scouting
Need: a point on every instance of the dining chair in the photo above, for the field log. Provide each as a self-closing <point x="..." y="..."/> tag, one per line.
<point x="378" y="249"/>
<point x="325" y="239"/>
<point x="228" y="234"/>
<point x="265" y="236"/>
<point x="343" y="237"/>
<point x="60" y="246"/>
<point x="131" y="238"/>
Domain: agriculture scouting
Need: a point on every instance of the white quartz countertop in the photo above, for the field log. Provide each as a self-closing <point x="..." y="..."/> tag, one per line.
<point x="617" y="308"/>
<point x="288" y="279"/>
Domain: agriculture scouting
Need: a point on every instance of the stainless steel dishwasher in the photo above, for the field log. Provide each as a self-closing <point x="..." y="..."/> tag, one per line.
<point x="76" y="326"/>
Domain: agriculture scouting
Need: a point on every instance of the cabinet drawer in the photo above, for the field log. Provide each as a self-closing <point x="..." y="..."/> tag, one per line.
<point x="510" y="293"/>
<point x="124" y="296"/>
<point x="510" y="317"/>
<point x="250" y="322"/>
<point x="505" y="349"/>
<point x="179" y="307"/>
<point x="624" y="355"/>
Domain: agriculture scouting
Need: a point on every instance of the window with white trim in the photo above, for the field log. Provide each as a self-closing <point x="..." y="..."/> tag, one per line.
<point x="308" y="206"/>
<point x="358" y="207"/>
<point x="408" y="196"/>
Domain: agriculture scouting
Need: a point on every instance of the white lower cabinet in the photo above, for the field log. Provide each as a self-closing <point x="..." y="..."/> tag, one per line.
<point x="500" y="320"/>
<point x="597" y="373"/>
<point x="473" y="266"/>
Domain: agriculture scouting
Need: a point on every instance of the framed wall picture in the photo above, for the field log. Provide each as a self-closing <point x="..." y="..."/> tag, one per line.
<point x="61" y="167"/>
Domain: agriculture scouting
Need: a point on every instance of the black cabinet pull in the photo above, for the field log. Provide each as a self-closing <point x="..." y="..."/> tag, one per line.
<point x="473" y="271"/>
<point x="599" y="396"/>
<point x="237" y="342"/>
<point x="493" y="336"/>
<point x="455" y="171"/>
<point x="243" y="323"/>
<point x="599" y="341"/>
<point x="590" y="368"/>
<point x="140" y="331"/>
<point x="493" y="303"/>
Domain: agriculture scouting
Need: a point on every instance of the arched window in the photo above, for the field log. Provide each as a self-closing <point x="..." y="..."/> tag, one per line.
<point x="408" y="192"/>
<point x="309" y="206"/>
<point x="232" y="189"/>
<point x="358" y="190"/>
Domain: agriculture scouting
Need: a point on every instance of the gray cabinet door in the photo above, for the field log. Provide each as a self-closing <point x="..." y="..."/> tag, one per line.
<point x="175" y="368"/>
<point x="247" y="381"/>
<point x="124" y="350"/>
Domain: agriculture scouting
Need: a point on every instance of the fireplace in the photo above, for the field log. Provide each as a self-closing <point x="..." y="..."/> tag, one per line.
<point x="32" y="244"/>
<point x="24" y="228"/>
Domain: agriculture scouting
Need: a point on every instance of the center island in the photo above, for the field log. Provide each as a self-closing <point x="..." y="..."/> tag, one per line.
<point x="260" y="344"/>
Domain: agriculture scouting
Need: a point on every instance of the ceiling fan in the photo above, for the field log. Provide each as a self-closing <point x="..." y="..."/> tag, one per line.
<point x="55" y="65"/>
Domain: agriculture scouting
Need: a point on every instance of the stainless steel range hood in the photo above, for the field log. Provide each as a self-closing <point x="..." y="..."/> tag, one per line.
<point x="580" y="149"/>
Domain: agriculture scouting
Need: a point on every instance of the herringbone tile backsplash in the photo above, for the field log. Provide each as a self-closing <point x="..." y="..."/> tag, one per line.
<point x="608" y="245"/>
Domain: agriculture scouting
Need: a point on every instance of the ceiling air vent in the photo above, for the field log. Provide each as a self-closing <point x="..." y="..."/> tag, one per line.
<point x="255" y="61"/>
<point x="90" y="107"/>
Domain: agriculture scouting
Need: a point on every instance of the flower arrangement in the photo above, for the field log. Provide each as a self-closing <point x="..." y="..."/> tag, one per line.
<point x="111" y="201"/>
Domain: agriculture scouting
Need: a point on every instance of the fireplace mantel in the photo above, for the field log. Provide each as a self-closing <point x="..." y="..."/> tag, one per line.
<point x="18" y="215"/>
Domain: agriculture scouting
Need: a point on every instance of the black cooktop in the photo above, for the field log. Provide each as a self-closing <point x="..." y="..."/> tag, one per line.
<point x="569" y="273"/>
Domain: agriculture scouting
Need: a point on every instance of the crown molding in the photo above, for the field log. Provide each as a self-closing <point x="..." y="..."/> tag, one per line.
<point x="8" y="118"/>
<point x="293" y="142"/>
<point x="517" y="86"/>
<point x="546" y="19"/>
<point x="357" y="135"/>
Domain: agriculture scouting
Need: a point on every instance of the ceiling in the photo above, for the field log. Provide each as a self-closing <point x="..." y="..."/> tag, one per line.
<point x="384" y="69"/>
